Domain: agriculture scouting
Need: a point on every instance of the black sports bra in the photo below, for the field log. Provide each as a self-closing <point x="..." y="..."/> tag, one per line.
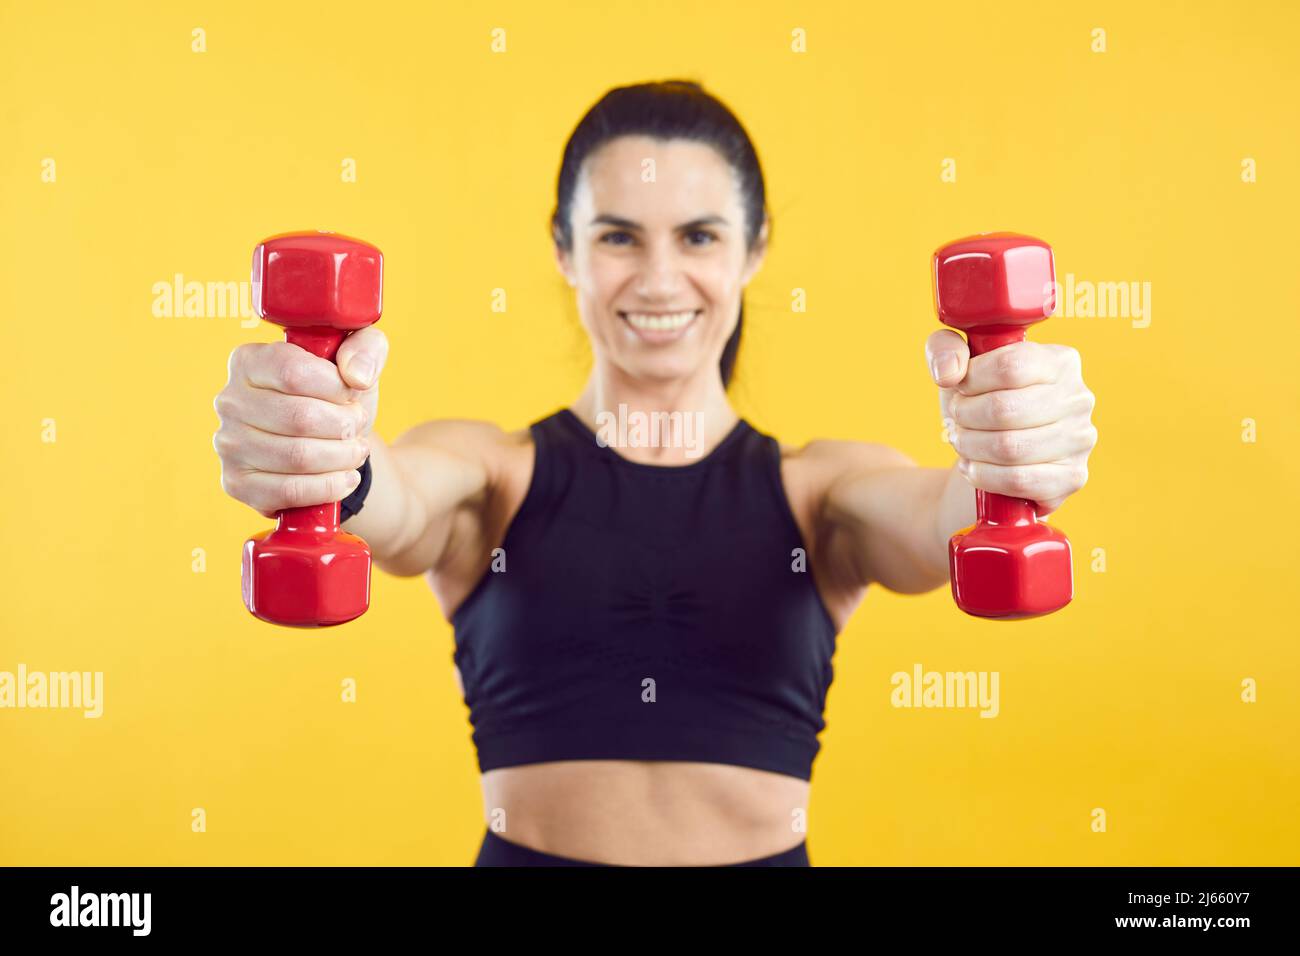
<point x="648" y="612"/>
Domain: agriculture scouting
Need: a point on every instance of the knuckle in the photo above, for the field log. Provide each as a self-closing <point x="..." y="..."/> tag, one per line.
<point x="1011" y="363"/>
<point x="1009" y="447"/>
<point x="954" y="408"/>
<point x="1080" y="475"/>
<point x="221" y="443"/>
<point x="352" y="420"/>
<point x="300" y="418"/>
<point x="293" y="490"/>
<point x="297" y="456"/>
<point x="232" y="483"/>
<point x="1003" y="408"/>
<point x="239" y="356"/>
<point x="1020" y="482"/>
<point x="955" y="436"/>
<point x="276" y="354"/>
<point x="281" y="351"/>
<point x="1073" y="360"/>
<point x="295" y="373"/>
<point x="223" y="404"/>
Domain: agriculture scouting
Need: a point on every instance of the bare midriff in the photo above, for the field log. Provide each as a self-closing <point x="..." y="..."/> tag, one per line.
<point x="647" y="813"/>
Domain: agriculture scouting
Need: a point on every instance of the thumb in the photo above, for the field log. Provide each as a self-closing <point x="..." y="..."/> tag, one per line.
<point x="361" y="357"/>
<point x="947" y="355"/>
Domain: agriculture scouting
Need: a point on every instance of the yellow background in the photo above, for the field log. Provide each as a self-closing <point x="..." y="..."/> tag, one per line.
<point x="1128" y="161"/>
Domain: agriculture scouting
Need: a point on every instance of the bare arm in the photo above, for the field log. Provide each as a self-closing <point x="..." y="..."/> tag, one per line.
<point x="1019" y="418"/>
<point x="892" y="518"/>
<point x="418" y="486"/>
<point x="295" y="427"/>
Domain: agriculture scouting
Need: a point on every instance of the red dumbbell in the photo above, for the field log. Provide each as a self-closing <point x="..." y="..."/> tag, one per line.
<point x="320" y="286"/>
<point x="1008" y="564"/>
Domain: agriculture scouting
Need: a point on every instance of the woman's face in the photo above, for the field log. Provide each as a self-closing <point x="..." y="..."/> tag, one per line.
<point x="659" y="258"/>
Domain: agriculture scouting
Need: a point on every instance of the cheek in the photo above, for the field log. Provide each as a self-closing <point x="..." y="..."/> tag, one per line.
<point x="603" y="282"/>
<point x="726" y="311"/>
<point x="597" y="291"/>
<point x="719" y="279"/>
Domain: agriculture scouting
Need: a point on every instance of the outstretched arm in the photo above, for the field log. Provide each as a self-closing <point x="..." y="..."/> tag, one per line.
<point x="1019" y="418"/>
<point x="295" y="427"/>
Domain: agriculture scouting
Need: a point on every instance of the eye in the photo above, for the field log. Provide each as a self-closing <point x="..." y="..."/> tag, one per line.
<point x="708" y="237"/>
<point x="607" y="237"/>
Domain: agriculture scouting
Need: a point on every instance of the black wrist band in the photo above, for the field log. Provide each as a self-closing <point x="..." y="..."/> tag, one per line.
<point x="352" y="503"/>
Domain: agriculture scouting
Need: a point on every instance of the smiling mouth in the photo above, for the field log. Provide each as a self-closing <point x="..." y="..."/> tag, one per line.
<point x="659" y="325"/>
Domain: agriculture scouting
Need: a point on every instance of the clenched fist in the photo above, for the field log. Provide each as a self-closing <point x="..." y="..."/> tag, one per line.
<point x="1019" y="417"/>
<point x="294" y="426"/>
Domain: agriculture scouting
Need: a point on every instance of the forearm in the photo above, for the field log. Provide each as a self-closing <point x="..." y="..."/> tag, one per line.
<point x="954" y="510"/>
<point x="417" y="486"/>
<point x="387" y="520"/>
<point x="901" y="519"/>
<point x="936" y="503"/>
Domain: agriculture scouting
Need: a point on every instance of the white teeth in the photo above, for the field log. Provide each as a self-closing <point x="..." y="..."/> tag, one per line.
<point x="675" y="320"/>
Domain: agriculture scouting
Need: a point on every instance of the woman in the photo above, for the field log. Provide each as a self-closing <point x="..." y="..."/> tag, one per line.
<point x="644" y="635"/>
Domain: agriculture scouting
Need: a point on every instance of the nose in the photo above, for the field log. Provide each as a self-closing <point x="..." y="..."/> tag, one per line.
<point x="660" y="274"/>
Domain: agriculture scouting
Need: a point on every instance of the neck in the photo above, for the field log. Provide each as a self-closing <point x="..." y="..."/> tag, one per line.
<point x="673" y="422"/>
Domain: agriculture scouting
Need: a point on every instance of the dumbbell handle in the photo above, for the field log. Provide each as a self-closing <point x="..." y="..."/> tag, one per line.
<point x="989" y="507"/>
<point x="322" y="341"/>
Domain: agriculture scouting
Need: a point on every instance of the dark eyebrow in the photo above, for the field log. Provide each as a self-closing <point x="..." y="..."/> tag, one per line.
<point x="609" y="220"/>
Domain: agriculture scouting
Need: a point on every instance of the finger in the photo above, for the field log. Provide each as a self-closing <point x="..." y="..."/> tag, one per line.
<point x="1011" y="366"/>
<point x="945" y="408"/>
<point x="361" y="357"/>
<point x="298" y="417"/>
<point x="290" y="370"/>
<point x="1027" y="407"/>
<point x="269" y="493"/>
<point x="1025" y="446"/>
<point x="255" y="450"/>
<point x="1042" y="482"/>
<point x="1045" y="508"/>
<point x="946" y="354"/>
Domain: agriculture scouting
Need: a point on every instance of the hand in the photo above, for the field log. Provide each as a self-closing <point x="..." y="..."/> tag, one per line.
<point x="294" y="426"/>
<point x="1019" y="417"/>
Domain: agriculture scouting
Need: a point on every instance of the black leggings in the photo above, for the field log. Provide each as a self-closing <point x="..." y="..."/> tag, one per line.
<point x="498" y="851"/>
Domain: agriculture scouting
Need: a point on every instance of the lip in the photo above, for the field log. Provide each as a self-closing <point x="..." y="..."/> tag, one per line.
<point x="660" y="336"/>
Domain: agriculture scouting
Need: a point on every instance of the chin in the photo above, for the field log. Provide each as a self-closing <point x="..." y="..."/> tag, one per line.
<point x="661" y="372"/>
